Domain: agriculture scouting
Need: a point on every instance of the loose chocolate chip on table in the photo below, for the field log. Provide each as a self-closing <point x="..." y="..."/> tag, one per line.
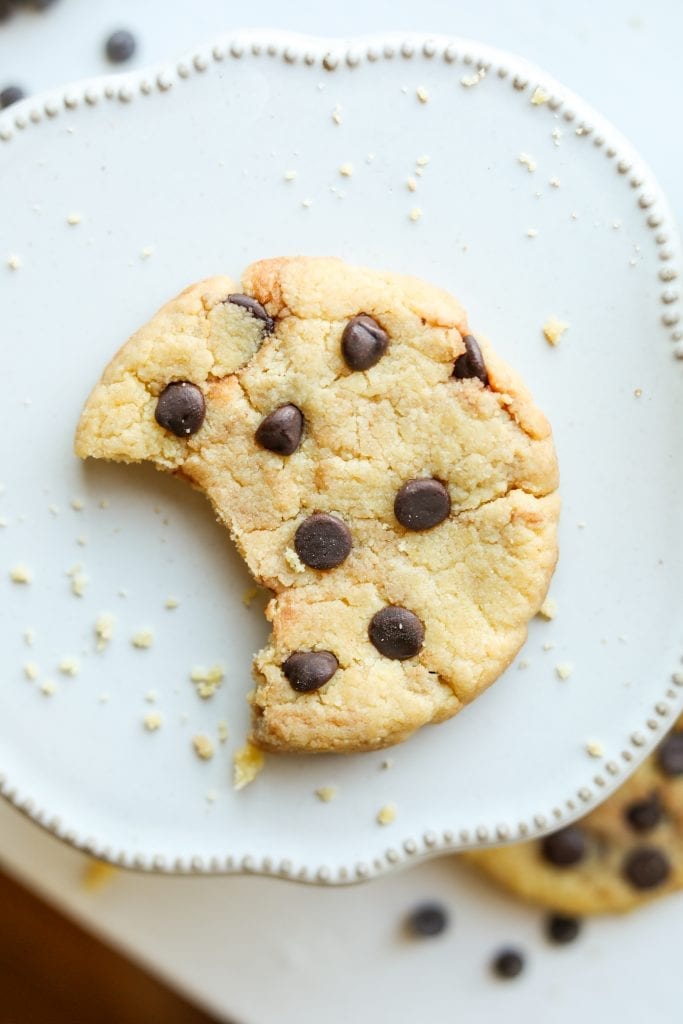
<point x="120" y="46"/>
<point x="322" y="541"/>
<point x="428" y="919"/>
<point x="309" y="670"/>
<point x="643" y="815"/>
<point x="253" y="307"/>
<point x="421" y="504"/>
<point x="670" y="754"/>
<point x="364" y="342"/>
<point x="281" y="430"/>
<point x="396" y="632"/>
<point x="562" y="929"/>
<point x="508" y="963"/>
<point x="564" y="848"/>
<point x="646" y="867"/>
<point x="471" y="362"/>
<point x="9" y="95"/>
<point x="181" y="408"/>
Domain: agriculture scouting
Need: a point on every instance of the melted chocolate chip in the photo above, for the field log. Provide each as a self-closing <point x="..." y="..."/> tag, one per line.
<point x="421" y="504"/>
<point x="562" y="929"/>
<point x="396" y="633"/>
<point x="471" y="362"/>
<point x="508" y="964"/>
<point x="309" y="670"/>
<point x="253" y="307"/>
<point x="670" y="754"/>
<point x="644" y="815"/>
<point x="364" y="342"/>
<point x="428" y="919"/>
<point x="564" y="848"/>
<point x="181" y="408"/>
<point x="120" y="46"/>
<point x="646" y="867"/>
<point x="281" y="430"/>
<point x="322" y="541"/>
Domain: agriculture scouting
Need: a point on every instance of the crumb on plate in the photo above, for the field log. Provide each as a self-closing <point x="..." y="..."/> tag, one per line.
<point x="422" y="94"/>
<point x="152" y="721"/>
<point x="48" y="688"/>
<point x="69" y="666"/>
<point x="143" y="639"/>
<point x="207" y="680"/>
<point x="386" y="815"/>
<point x="326" y="793"/>
<point x="21" y="574"/>
<point x="553" y="329"/>
<point x="248" y="761"/>
<point x="564" y="669"/>
<point x="203" y="747"/>
<point x="104" y="630"/>
<point x="415" y="214"/>
<point x="31" y="670"/>
<point x="527" y="161"/>
<point x="539" y="96"/>
<point x="595" y="748"/>
<point x="548" y="609"/>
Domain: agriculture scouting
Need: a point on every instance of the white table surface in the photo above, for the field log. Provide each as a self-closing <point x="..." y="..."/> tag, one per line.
<point x="266" y="952"/>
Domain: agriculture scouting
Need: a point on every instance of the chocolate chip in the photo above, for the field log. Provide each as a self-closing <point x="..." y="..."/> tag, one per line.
<point x="646" y="867"/>
<point x="281" y="430"/>
<point x="9" y="95"/>
<point x="309" y="670"/>
<point x="562" y="929"/>
<point x="253" y="307"/>
<point x="322" y="541"/>
<point x="120" y="46"/>
<point x="564" y="848"/>
<point x="471" y="362"/>
<point x="670" y="754"/>
<point x="363" y="343"/>
<point x="508" y="964"/>
<point x="428" y="919"/>
<point x="181" y="408"/>
<point x="396" y="632"/>
<point x="643" y="815"/>
<point x="421" y="504"/>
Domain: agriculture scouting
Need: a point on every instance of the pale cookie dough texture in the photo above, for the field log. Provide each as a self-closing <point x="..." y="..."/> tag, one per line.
<point x="626" y="852"/>
<point x="473" y="580"/>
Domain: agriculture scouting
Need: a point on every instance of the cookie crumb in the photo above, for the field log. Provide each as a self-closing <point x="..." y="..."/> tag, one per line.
<point x="97" y="874"/>
<point x="582" y="524"/>
<point x="152" y="721"/>
<point x="555" y="182"/>
<point x="548" y="646"/>
<point x="616" y="225"/>
<point x="29" y="636"/>
<point x="564" y="669"/>
<point x="77" y="504"/>
<point x="171" y="603"/>
<point x="14" y="261"/>
<point x="326" y="793"/>
<point x="69" y="666"/>
<point x="104" y="630"/>
<point x="637" y="392"/>
<point x="548" y="609"/>
<point x="203" y="747"/>
<point x="415" y="214"/>
<point x="422" y="94"/>
<point x="386" y="815"/>
<point x="293" y="560"/>
<point x="211" y="796"/>
<point x="553" y="329"/>
<point x="594" y="748"/>
<point x="387" y="763"/>
<point x="48" y="688"/>
<point x="249" y="595"/>
<point x="31" y="670"/>
<point x="146" y="252"/>
<point x="527" y="161"/>
<point x="411" y="184"/>
<point x="152" y="696"/>
<point x="222" y="730"/>
<point x="248" y="761"/>
<point x="74" y="218"/>
<point x="556" y="135"/>
<point x="79" y="580"/>
<point x="531" y="232"/>
<point x="346" y="170"/>
<point x="289" y="175"/>
<point x="470" y="80"/>
<point x="207" y="680"/>
<point x="337" y="114"/>
<point x="523" y="663"/>
<point x="539" y="96"/>
<point x="143" y="639"/>
<point x="21" y="574"/>
<point x="306" y="203"/>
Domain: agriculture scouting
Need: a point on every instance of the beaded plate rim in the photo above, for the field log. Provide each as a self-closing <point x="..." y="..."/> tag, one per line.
<point x="328" y="55"/>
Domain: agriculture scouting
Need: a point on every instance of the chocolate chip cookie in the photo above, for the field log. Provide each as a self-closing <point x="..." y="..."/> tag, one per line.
<point x="379" y="469"/>
<point x="624" y="853"/>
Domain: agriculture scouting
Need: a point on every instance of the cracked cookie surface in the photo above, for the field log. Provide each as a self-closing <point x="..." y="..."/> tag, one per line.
<point x="626" y="852"/>
<point x="380" y="470"/>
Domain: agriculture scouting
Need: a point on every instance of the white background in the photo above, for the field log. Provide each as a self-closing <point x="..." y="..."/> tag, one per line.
<point x="260" y="951"/>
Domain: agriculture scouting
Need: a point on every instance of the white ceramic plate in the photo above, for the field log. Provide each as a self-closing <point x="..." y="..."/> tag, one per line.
<point x="189" y="161"/>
